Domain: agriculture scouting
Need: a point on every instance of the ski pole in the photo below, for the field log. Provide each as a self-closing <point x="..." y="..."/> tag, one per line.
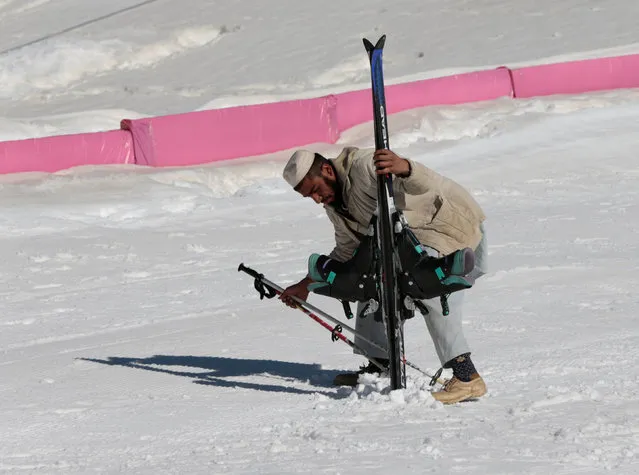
<point x="273" y="289"/>
<point x="268" y="289"/>
<point x="261" y="281"/>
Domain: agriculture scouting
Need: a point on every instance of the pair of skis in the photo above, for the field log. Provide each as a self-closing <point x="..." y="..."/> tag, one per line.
<point x="387" y="223"/>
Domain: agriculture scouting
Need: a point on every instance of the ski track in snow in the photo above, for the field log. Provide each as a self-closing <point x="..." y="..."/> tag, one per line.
<point x="62" y="64"/>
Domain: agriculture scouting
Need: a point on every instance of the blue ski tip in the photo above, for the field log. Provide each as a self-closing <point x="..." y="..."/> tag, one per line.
<point x="379" y="45"/>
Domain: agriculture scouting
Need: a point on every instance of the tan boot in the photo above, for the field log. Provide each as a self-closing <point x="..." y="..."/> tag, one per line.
<point x="456" y="391"/>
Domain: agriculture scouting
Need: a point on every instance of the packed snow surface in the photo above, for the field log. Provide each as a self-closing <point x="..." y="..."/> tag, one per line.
<point x="129" y="342"/>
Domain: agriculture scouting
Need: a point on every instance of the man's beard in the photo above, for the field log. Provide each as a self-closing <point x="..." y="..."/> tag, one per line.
<point x="338" y="201"/>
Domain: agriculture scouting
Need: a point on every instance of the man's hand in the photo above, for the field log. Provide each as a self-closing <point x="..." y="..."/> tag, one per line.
<point x="389" y="162"/>
<point x="298" y="290"/>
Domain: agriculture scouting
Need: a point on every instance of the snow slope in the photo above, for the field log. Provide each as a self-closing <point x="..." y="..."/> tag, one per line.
<point x="156" y="57"/>
<point x="129" y="342"/>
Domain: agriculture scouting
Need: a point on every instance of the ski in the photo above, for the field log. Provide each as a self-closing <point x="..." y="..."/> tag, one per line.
<point x="386" y="218"/>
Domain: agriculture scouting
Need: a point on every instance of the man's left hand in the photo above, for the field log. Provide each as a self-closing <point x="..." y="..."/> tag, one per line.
<point x="387" y="162"/>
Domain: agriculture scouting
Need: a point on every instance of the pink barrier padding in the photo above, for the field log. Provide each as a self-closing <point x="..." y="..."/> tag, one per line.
<point x="51" y="154"/>
<point x="576" y="77"/>
<point x="354" y="107"/>
<point x="221" y="134"/>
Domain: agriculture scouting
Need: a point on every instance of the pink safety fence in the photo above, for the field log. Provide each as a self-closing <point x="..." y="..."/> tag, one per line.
<point x="50" y="154"/>
<point x="223" y="134"/>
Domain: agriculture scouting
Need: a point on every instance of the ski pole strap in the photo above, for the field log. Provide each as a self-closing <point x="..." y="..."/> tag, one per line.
<point x="262" y="288"/>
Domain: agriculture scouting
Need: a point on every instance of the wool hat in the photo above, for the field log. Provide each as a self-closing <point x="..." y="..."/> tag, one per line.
<point x="298" y="166"/>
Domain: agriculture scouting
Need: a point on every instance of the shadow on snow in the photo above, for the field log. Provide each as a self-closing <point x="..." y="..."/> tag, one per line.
<point x="218" y="369"/>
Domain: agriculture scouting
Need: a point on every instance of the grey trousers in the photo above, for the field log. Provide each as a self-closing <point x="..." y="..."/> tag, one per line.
<point x="445" y="331"/>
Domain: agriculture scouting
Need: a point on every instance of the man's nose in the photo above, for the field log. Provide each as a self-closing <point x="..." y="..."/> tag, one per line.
<point x="317" y="198"/>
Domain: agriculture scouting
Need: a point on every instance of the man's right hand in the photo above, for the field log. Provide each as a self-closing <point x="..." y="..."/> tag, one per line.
<point x="298" y="290"/>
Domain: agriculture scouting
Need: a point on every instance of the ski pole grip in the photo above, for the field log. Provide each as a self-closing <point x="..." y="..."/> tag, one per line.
<point x="249" y="271"/>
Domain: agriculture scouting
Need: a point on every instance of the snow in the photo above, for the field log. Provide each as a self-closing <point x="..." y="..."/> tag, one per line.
<point x="131" y="344"/>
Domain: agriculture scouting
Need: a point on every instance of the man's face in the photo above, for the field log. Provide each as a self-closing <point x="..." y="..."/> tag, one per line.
<point x="322" y="189"/>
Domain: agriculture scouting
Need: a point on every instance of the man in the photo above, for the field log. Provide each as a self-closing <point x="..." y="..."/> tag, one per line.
<point x="442" y="215"/>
